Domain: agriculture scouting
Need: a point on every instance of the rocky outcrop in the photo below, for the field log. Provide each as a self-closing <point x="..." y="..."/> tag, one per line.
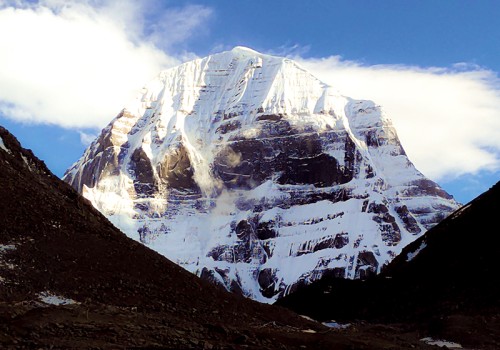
<point x="246" y="170"/>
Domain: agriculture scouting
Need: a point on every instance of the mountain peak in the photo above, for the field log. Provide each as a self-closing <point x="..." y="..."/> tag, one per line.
<point x="242" y="50"/>
<point x="248" y="171"/>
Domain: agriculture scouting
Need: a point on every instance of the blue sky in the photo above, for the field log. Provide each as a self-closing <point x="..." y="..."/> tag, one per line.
<point x="67" y="68"/>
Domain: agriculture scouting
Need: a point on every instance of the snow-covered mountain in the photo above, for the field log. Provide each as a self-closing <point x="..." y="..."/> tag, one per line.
<point x="247" y="170"/>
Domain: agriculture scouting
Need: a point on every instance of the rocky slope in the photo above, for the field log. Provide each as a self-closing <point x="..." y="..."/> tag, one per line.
<point x="248" y="171"/>
<point x="446" y="282"/>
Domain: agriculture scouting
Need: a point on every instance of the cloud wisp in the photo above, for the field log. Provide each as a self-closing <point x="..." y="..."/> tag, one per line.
<point x="448" y="119"/>
<point x="75" y="64"/>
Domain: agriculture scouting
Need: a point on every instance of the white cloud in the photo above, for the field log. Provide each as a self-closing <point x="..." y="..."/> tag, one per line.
<point x="87" y="138"/>
<point x="448" y="119"/>
<point x="290" y="50"/>
<point x="178" y="24"/>
<point x="75" y="64"/>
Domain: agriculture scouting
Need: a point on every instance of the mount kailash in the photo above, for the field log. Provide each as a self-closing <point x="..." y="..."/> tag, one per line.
<point x="246" y="170"/>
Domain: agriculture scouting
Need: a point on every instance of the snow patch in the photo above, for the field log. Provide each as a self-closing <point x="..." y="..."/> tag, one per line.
<point x="308" y="318"/>
<point x="3" y="249"/>
<point x="412" y="255"/>
<point x="6" y="247"/>
<point x="2" y="146"/>
<point x="336" y="325"/>
<point x="312" y="331"/>
<point x="441" y="343"/>
<point x="52" y="299"/>
<point x="459" y="211"/>
<point x="26" y="161"/>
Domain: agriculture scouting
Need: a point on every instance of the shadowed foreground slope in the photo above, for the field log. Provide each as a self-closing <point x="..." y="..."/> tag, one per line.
<point x="447" y="283"/>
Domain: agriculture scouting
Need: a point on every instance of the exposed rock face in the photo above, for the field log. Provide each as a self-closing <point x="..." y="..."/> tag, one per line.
<point x="247" y="170"/>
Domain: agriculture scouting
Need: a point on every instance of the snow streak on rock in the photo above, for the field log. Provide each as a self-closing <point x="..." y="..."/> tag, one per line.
<point x="411" y="255"/>
<point x="247" y="170"/>
<point x="2" y="146"/>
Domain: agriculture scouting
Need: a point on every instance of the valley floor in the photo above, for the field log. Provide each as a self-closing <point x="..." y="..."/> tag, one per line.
<point x="38" y="325"/>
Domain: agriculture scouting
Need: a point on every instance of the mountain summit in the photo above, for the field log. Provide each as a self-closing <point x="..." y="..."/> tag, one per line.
<point x="247" y="170"/>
